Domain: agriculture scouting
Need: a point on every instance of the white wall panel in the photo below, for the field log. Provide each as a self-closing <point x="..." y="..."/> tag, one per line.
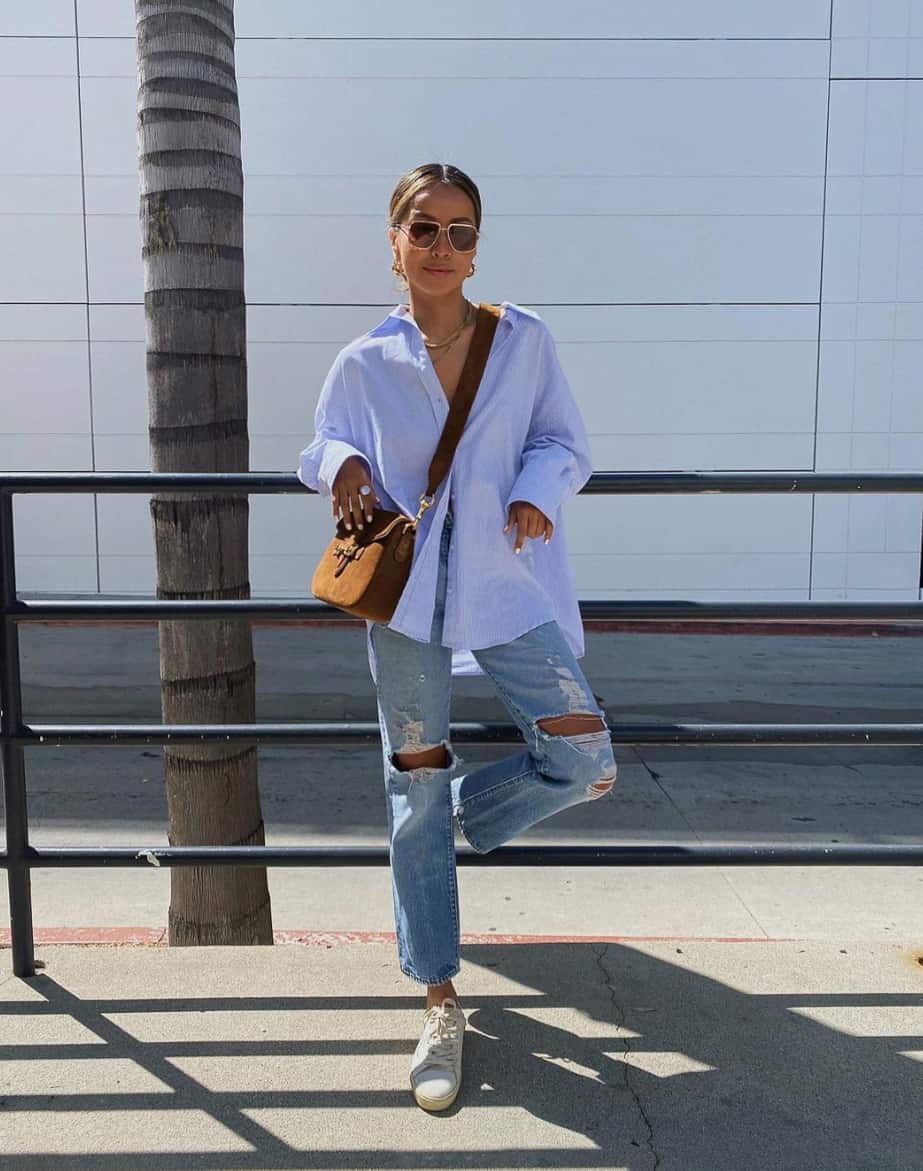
<point x="125" y="524"/>
<point x="750" y="578"/>
<point x="672" y="388"/>
<point x="638" y="126"/>
<point x="55" y="542"/>
<point x="693" y="524"/>
<point x="711" y="125"/>
<point x="51" y="573"/>
<point x="46" y="452"/>
<point x="499" y="18"/>
<point x="41" y="221"/>
<point x="119" y="387"/>
<point x="128" y="575"/>
<point x="30" y="57"/>
<point x="869" y="413"/>
<point x="39" y="18"/>
<point x="281" y="576"/>
<point x="268" y="59"/>
<point x="44" y="388"/>
<point x="122" y="453"/>
<point x="46" y="384"/>
<point x="48" y="196"/>
<point x="877" y="38"/>
<point x="46" y="523"/>
<point x="42" y="258"/>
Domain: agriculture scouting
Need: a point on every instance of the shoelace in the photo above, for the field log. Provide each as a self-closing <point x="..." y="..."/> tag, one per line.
<point x="441" y="1036"/>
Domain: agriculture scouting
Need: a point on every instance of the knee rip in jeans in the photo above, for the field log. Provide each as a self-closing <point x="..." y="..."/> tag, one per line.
<point x="422" y="760"/>
<point x="580" y="724"/>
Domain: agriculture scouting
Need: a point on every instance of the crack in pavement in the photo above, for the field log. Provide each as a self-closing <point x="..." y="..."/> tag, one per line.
<point x="620" y="1022"/>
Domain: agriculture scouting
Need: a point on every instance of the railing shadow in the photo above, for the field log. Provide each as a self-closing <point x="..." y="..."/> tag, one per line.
<point x="588" y="1056"/>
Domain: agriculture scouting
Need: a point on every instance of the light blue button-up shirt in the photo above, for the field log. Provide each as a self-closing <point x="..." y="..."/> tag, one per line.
<point x="524" y="439"/>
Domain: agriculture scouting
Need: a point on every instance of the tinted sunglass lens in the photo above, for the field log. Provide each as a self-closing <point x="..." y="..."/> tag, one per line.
<point x="421" y="234"/>
<point x="463" y="238"/>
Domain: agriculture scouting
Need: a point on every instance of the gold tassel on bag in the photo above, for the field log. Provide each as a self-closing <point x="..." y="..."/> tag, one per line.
<point x="364" y="572"/>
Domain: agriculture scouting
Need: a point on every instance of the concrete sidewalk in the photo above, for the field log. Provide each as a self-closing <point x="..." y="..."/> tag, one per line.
<point x="682" y="1056"/>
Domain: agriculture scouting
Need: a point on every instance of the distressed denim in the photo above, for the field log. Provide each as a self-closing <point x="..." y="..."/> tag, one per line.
<point x="536" y="676"/>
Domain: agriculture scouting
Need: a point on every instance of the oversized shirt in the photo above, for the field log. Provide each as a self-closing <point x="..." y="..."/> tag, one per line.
<point x="524" y="439"/>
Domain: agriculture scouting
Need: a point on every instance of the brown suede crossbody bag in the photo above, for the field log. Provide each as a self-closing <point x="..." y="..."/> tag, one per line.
<point x="364" y="573"/>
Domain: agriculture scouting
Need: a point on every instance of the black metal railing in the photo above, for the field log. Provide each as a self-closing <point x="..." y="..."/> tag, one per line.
<point x="20" y="857"/>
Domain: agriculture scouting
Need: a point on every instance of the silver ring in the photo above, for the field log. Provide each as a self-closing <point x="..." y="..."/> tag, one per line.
<point x="365" y="489"/>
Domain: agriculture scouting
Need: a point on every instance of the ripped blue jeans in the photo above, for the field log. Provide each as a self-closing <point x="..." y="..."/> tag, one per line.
<point x="536" y="676"/>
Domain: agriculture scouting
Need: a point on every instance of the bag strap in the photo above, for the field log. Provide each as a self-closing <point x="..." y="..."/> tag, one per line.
<point x="468" y="382"/>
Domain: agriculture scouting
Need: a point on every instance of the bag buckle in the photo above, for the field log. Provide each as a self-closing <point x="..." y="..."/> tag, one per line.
<point x="346" y="552"/>
<point x="425" y="502"/>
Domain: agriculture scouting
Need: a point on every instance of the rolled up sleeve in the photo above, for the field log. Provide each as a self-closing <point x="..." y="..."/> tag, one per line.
<point x="333" y="442"/>
<point x="556" y="460"/>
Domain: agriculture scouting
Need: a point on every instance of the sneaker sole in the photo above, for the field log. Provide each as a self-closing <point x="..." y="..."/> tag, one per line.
<point x="435" y="1103"/>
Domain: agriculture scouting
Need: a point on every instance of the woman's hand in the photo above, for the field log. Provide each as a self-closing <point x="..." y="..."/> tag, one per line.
<point x="530" y="522"/>
<point x="345" y="496"/>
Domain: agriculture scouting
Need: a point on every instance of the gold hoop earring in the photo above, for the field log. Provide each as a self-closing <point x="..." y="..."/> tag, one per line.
<point x="398" y="271"/>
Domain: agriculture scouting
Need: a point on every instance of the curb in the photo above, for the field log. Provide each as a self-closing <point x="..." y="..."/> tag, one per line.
<point x="157" y="937"/>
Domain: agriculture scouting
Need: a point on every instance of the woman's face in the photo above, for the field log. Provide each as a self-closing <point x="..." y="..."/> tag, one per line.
<point x="444" y="204"/>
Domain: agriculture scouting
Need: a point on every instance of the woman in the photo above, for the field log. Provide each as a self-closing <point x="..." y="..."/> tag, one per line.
<point x="490" y="589"/>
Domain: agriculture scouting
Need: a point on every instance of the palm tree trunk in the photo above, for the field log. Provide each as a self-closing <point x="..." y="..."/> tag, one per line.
<point x="195" y="317"/>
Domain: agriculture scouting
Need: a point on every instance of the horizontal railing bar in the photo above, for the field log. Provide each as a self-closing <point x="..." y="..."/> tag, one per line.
<point x="103" y="610"/>
<point x="655" y="854"/>
<point x="599" y="482"/>
<point x="351" y="733"/>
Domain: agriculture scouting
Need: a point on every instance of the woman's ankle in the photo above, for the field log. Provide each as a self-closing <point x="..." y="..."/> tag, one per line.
<point x="435" y="994"/>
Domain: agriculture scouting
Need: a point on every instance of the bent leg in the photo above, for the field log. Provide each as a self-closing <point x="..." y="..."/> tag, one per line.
<point x="569" y="757"/>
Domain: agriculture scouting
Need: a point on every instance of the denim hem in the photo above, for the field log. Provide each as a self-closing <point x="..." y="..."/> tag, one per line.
<point x="438" y="980"/>
<point x="474" y="846"/>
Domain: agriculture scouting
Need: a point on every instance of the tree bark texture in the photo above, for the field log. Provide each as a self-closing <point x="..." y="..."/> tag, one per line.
<point x="191" y="214"/>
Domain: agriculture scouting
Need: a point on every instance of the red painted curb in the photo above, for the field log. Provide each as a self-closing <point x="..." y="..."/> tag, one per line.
<point x="157" y="937"/>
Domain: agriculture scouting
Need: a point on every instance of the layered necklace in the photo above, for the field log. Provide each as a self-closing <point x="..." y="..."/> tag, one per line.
<point x="446" y="344"/>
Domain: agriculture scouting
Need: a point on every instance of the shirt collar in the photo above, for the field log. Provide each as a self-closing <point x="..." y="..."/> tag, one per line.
<point x="402" y="312"/>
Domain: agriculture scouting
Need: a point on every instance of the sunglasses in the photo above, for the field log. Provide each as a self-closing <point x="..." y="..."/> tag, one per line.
<point x="424" y="233"/>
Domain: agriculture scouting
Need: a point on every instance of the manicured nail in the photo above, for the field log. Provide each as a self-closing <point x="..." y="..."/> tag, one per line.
<point x="547" y="540"/>
<point x="368" y="517"/>
<point x="348" y="525"/>
<point x="361" y="525"/>
<point x="519" y="550"/>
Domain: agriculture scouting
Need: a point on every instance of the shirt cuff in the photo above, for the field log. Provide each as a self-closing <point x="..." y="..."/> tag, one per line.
<point x="546" y="484"/>
<point x="336" y="451"/>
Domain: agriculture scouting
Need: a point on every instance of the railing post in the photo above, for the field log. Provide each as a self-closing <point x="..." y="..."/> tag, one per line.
<point x="14" y="763"/>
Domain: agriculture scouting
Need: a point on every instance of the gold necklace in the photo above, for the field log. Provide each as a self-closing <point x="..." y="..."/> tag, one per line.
<point x="469" y="312"/>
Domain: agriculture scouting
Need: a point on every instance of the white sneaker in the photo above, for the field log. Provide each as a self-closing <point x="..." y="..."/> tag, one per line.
<point x="436" y="1068"/>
